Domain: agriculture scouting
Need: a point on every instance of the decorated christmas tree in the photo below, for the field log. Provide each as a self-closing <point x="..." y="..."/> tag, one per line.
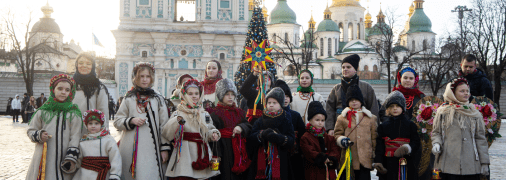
<point x="256" y="32"/>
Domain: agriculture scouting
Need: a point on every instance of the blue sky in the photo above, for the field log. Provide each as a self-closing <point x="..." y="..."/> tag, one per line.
<point x="77" y="19"/>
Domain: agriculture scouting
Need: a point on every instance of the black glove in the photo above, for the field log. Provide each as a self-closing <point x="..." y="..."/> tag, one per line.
<point x="276" y="138"/>
<point x="345" y="142"/>
<point x="265" y="134"/>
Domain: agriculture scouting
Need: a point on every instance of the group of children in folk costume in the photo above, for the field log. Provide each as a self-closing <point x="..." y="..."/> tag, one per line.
<point x="197" y="135"/>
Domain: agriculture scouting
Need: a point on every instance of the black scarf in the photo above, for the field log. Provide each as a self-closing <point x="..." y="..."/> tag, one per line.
<point x="345" y="83"/>
<point x="88" y="83"/>
<point x="142" y="91"/>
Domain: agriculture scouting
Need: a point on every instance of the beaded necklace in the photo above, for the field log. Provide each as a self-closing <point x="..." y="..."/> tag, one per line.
<point x="305" y="96"/>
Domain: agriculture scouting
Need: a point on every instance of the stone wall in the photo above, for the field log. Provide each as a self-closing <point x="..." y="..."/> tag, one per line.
<point x="12" y="84"/>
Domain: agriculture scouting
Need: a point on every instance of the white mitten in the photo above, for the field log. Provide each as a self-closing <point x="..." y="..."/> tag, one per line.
<point x="484" y="169"/>
<point x="436" y="149"/>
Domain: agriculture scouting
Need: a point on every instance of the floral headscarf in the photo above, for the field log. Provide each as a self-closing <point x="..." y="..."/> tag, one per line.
<point x="53" y="107"/>
<point x="409" y="93"/>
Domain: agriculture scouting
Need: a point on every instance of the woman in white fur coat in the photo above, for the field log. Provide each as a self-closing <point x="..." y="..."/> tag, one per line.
<point x="305" y="95"/>
<point x="140" y="118"/>
<point x="191" y="156"/>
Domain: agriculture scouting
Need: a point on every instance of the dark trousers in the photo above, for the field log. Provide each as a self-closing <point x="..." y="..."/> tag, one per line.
<point x="15" y="114"/>
<point x="362" y="174"/>
<point x="445" y="176"/>
<point x="28" y="117"/>
<point x="23" y="115"/>
<point x="111" y="114"/>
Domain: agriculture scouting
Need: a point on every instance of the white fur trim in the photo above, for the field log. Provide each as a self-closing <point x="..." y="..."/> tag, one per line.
<point x="366" y="111"/>
<point x="339" y="141"/>
<point x="409" y="148"/>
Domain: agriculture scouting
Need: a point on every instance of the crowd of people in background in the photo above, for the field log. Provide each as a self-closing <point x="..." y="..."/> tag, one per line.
<point x="204" y="132"/>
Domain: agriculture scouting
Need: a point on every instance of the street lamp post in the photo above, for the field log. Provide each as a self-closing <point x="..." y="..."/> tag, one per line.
<point x="461" y="10"/>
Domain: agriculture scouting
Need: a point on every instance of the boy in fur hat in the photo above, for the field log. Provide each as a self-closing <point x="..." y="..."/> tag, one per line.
<point x="100" y="158"/>
<point x="298" y="126"/>
<point x="397" y="138"/>
<point x="319" y="148"/>
<point x="230" y="121"/>
<point x="357" y="124"/>
<point x="271" y="138"/>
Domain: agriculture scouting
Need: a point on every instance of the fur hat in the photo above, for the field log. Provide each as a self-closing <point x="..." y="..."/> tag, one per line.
<point x="278" y="94"/>
<point x="353" y="59"/>
<point x="354" y="92"/>
<point x="223" y="86"/>
<point x="282" y="84"/>
<point x="315" y="108"/>
<point x="395" y="97"/>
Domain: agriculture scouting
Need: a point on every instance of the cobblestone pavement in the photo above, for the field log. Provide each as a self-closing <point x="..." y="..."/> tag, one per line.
<point x="16" y="151"/>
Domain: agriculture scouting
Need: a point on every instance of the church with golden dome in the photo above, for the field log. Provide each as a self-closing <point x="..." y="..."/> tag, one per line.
<point x="347" y="28"/>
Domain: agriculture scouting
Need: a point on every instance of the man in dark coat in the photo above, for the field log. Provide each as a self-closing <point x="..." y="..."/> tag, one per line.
<point x="23" y="105"/>
<point x="479" y="85"/>
<point x="41" y="100"/>
<point x="336" y="101"/>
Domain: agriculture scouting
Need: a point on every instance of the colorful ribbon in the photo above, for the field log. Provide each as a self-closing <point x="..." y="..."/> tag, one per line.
<point x="134" y="153"/>
<point x="402" y="169"/>
<point x="347" y="165"/>
<point x="42" y="165"/>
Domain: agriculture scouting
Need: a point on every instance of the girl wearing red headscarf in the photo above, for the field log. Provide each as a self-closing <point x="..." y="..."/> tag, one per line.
<point x="407" y="79"/>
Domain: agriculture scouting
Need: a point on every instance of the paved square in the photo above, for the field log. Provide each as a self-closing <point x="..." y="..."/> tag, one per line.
<point x="17" y="150"/>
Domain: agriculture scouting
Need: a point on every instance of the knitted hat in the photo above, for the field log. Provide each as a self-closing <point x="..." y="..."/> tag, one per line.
<point x="223" y="87"/>
<point x="282" y="84"/>
<point x="278" y="94"/>
<point x="354" y="92"/>
<point x="395" y="97"/>
<point x="353" y="59"/>
<point x="315" y="108"/>
<point x="93" y="114"/>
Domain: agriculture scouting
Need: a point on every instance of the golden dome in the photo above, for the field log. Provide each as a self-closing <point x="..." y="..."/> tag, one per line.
<point x="47" y="10"/>
<point x="368" y="16"/>
<point x="311" y="21"/>
<point x="342" y="3"/>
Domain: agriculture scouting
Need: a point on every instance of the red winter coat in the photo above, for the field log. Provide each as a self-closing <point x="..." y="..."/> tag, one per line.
<point x="315" y="157"/>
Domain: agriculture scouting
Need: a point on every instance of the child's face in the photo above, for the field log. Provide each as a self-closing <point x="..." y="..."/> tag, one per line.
<point x="287" y="100"/>
<point x="229" y="98"/>
<point x="93" y="127"/>
<point x="194" y="94"/>
<point x="62" y="91"/>
<point x="408" y="79"/>
<point x="212" y="69"/>
<point x="318" y="121"/>
<point x="354" y="103"/>
<point x="462" y="93"/>
<point x="273" y="105"/>
<point x="144" y="78"/>
<point x="394" y="110"/>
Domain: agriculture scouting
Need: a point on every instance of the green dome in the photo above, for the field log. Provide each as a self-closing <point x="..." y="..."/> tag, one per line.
<point x="419" y="22"/>
<point x="327" y="25"/>
<point x="379" y="29"/>
<point x="282" y="13"/>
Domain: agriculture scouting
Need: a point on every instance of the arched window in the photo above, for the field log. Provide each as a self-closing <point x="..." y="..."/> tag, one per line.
<point x="172" y="63"/>
<point x="321" y="46"/>
<point x="194" y="64"/>
<point x="358" y="31"/>
<point x="413" y="46"/>
<point x="341" y="34"/>
<point x="144" y="54"/>
<point x="366" y="68"/>
<point x="286" y="38"/>
<point x="375" y="68"/>
<point x="350" y="31"/>
<point x="222" y="56"/>
<point x="330" y="47"/>
<point x="425" y="44"/>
